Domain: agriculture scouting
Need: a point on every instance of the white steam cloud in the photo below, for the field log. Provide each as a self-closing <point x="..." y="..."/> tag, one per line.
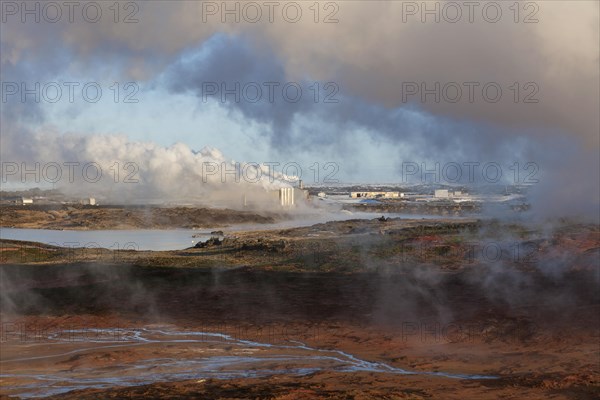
<point x="115" y="169"/>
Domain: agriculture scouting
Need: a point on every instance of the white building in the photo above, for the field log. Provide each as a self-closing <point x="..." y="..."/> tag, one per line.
<point x="26" y="200"/>
<point x="372" y="195"/>
<point x="441" y="194"/>
<point x="286" y="196"/>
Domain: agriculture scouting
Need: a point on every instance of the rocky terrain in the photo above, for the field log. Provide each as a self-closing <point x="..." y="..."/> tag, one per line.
<point x="468" y="308"/>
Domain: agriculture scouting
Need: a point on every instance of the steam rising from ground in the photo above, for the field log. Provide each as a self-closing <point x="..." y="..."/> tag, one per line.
<point x="548" y="273"/>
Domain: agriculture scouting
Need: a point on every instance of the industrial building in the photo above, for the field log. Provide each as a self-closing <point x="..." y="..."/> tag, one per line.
<point x="90" y="201"/>
<point x="289" y="196"/>
<point x="441" y="194"/>
<point x="373" y="195"/>
<point x="284" y="197"/>
<point x="445" y="194"/>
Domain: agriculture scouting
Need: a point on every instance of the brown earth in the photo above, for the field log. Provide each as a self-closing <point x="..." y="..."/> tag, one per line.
<point x="418" y="295"/>
<point x="125" y="217"/>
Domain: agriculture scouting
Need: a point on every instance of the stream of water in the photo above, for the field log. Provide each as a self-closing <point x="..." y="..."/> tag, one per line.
<point x="181" y="355"/>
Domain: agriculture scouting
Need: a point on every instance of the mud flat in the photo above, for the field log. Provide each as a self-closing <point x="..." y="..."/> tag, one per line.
<point x="348" y="309"/>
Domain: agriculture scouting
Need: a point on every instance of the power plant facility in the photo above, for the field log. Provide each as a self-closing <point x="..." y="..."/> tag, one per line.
<point x="441" y="194"/>
<point x="446" y="194"/>
<point x="375" y="195"/>
<point x="286" y="197"/>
